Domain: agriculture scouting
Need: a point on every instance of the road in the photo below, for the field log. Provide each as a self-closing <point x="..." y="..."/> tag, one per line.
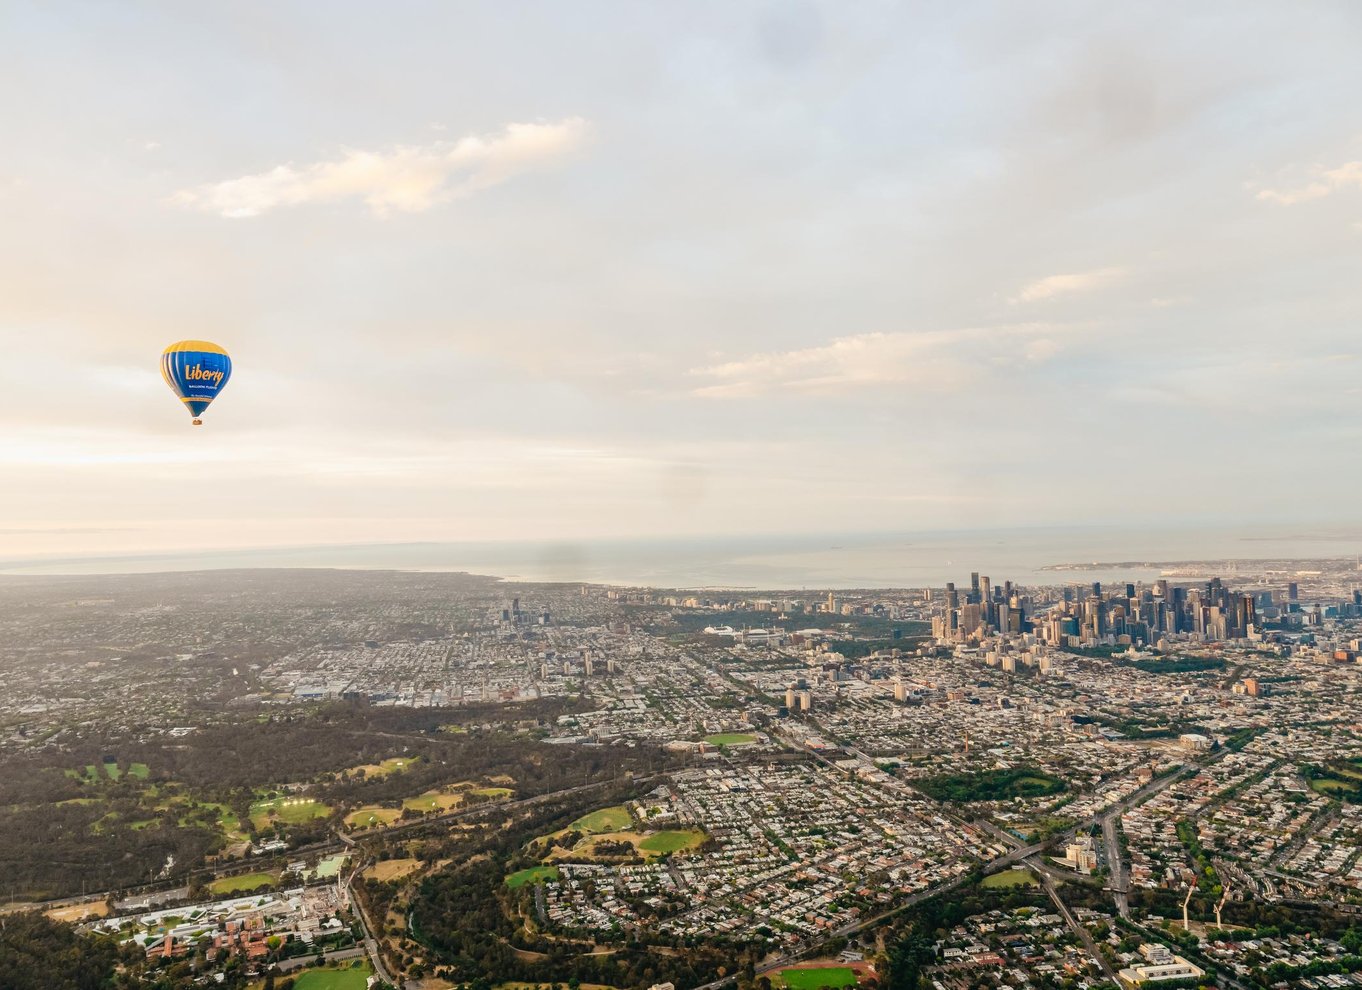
<point x="1120" y="882"/>
<point x="370" y="943"/>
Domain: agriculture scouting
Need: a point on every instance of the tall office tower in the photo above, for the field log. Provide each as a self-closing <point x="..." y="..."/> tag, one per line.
<point x="1097" y="588"/>
<point x="900" y="691"/>
<point x="790" y="697"/>
<point x="971" y="618"/>
<point x="1007" y="590"/>
<point x="515" y="606"/>
<point x="1068" y="594"/>
<point x="1293" y="592"/>
<point x="832" y="602"/>
<point x="986" y="589"/>
<point x="974" y="582"/>
<point x="1161" y="588"/>
<point x="1130" y="591"/>
<point x="1357" y="596"/>
<point x="806" y="701"/>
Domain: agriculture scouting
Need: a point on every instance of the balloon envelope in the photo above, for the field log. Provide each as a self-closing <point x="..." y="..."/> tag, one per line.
<point x="196" y="371"/>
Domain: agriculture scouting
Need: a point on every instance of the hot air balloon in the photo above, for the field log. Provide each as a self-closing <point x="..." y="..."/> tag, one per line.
<point x="196" y="371"/>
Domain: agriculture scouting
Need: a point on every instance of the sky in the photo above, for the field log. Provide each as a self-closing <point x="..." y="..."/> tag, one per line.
<point x="544" y="270"/>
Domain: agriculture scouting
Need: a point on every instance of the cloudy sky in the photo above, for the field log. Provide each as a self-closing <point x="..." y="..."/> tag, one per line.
<point x="606" y="269"/>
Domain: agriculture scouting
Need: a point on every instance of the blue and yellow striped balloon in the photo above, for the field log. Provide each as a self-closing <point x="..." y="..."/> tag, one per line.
<point x="196" y="371"/>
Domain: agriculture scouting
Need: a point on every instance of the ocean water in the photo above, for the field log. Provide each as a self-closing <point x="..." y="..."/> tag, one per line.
<point x="790" y="563"/>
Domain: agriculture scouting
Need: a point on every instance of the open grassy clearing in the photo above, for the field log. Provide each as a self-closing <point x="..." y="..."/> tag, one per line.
<point x="606" y="820"/>
<point x="535" y="874"/>
<point x="113" y="771"/>
<point x="495" y="793"/>
<point x="731" y="739"/>
<point x="433" y="801"/>
<point x="139" y="770"/>
<point x="649" y="845"/>
<point x="79" y="912"/>
<point x="288" y="810"/>
<point x="246" y="881"/>
<point x="1009" y="878"/>
<point x="392" y="869"/>
<point x="1326" y="785"/>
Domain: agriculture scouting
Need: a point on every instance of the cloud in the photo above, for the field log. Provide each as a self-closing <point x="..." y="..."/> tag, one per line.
<point x="408" y="178"/>
<point x="1323" y="183"/>
<point x="1058" y="285"/>
<point x="938" y="360"/>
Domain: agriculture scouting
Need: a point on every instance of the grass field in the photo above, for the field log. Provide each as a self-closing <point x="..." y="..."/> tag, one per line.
<point x="731" y="739"/>
<point x="139" y="770"/>
<point x="814" y="977"/>
<point x="246" y="881"/>
<point x="79" y="912"/>
<point x="1010" y="878"/>
<point x="112" y="771"/>
<point x="289" y="810"/>
<point x="1325" y="785"/>
<point x="392" y="869"/>
<point x="535" y="874"/>
<point x="606" y="820"/>
<point x="350" y="978"/>
<point x="672" y="840"/>
<point x="433" y="801"/>
<point x="371" y="815"/>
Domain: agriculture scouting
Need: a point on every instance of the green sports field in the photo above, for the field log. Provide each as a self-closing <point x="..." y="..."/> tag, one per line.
<point x="1010" y="878"/>
<point x="351" y="978"/>
<point x="606" y="820"/>
<point x="812" y="979"/>
<point x="672" y="840"/>
<point x="535" y="874"/>
<point x="289" y="810"/>
<point x="731" y="739"/>
<point x="247" y="881"/>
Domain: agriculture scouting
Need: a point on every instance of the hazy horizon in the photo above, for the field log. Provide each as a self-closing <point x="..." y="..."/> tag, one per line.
<point x="1028" y="556"/>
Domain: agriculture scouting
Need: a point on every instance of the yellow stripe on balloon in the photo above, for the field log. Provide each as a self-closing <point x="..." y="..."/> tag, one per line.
<point x="206" y="346"/>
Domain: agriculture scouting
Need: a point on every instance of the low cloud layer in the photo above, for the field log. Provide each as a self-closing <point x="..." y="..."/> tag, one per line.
<point x="408" y="178"/>
<point x="935" y="361"/>
<point x="1061" y="285"/>
<point x="1323" y="182"/>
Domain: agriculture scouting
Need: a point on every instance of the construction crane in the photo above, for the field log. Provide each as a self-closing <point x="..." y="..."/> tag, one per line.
<point x="1186" y="922"/>
<point x="1223" y="898"/>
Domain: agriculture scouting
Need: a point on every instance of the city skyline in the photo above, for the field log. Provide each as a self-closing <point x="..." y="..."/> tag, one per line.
<point x="617" y="272"/>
